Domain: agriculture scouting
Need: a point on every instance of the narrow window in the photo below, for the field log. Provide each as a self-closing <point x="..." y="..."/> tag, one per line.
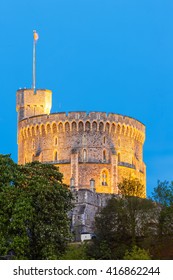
<point x="84" y="155"/>
<point x="33" y="144"/>
<point x="56" y="141"/>
<point x="104" y="178"/>
<point x="94" y="126"/>
<point x="104" y="155"/>
<point x="119" y="158"/>
<point x="87" y="126"/>
<point x="55" y="156"/>
<point x="104" y="140"/>
<point x="80" y="126"/>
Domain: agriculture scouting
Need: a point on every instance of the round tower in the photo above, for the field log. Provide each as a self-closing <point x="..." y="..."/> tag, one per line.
<point x="105" y="148"/>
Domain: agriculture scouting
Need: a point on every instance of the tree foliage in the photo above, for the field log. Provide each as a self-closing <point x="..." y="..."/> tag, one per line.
<point x="132" y="227"/>
<point x="163" y="193"/>
<point x="120" y="225"/>
<point x="34" y="205"/>
<point x="163" y="196"/>
<point x="131" y="187"/>
<point x="137" y="253"/>
<point x="75" y="251"/>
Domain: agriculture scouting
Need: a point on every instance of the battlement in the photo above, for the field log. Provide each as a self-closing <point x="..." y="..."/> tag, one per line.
<point x="84" y="117"/>
<point x="81" y="121"/>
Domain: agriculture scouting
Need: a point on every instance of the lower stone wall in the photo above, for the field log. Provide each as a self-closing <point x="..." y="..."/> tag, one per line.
<point x="86" y="205"/>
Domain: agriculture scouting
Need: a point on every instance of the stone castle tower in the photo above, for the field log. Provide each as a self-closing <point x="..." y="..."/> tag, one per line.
<point x="92" y="150"/>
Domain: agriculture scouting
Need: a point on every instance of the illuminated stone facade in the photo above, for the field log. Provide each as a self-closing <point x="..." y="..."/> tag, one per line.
<point x="99" y="146"/>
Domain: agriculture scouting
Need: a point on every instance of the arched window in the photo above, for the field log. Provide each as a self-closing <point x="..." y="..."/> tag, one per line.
<point x="33" y="132"/>
<point x="80" y="126"/>
<point x="48" y="128"/>
<point x="60" y="127"/>
<point x="107" y="127"/>
<point x="67" y="127"/>
<point x="87" y="126"/>
<point x="43" y="130"/>
<point x="55" y="156"/>
<point x="118" y="128"/>
<point x="37" y="130"/>
<point x="113" y="128"/>
<point x="74" y="126"/>
<point x="101" y="126"/>
<point x="104" y="178"/>
<point x="104" y="140"/>
<point x="94" y="126"/>
<point x="84" y="155"/>
<point x="54" y="128"/>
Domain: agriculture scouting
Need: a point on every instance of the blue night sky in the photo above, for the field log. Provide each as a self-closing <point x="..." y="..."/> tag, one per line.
<point x="95" y="55"/>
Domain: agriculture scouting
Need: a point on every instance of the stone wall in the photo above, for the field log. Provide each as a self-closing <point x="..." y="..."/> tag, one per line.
<point x="86" y="205"/>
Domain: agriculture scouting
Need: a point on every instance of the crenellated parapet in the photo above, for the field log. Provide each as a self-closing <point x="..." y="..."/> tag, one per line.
<point x="81" y="121"/>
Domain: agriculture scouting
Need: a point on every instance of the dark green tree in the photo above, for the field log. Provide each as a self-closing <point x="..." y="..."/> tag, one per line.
<point x="163" y="196"/>
<point x="34" y="206"/>
<point x="137" y="254"/>
<point x="126" y="221"/>
<point x="112" y="236"/>
<point x="163" y="193"/>
<point x="7" y="171"/>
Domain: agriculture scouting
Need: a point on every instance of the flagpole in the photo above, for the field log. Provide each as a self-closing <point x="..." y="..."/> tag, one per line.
<point x="35" y="38"/>
<point x="33" y="66"/>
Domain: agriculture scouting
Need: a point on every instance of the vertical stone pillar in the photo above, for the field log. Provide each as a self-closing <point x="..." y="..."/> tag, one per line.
<point x="74" y="167"/>
<point x="114" y="173"/>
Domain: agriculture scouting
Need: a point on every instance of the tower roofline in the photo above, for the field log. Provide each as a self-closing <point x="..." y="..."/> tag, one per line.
<point x="31" y="89"/>
<point x="85" y="116"/>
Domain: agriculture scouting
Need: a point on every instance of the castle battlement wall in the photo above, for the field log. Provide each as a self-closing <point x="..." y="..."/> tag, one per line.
<point x="93" y="121"/>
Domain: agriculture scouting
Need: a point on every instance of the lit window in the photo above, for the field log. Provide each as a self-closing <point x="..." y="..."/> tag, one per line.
<point x="56" y="141"/>
<point x="104" y="178"/>
<point x="104" y="155"/>
<point x="55" y="156"/>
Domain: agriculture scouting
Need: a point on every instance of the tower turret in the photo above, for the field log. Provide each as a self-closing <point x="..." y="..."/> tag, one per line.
<point x="30" y="104"/>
